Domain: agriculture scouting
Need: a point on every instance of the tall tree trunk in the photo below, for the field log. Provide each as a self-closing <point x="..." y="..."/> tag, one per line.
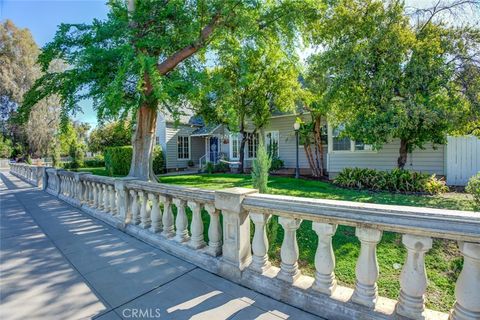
<point x="319" y="146"/>
<point x="143" y="143"/>
<point x="402" y="159"/>
<point x="243" y="142"/>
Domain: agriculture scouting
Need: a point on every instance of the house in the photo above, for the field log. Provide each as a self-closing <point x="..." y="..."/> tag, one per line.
<point x="192" y="140"/>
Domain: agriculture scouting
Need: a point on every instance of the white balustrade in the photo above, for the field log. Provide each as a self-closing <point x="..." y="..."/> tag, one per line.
<point x="260" y="261"/>
<point x="181" y="221"/>
<point x="196" y="228"/>
<point x="214" y="230"/>
<point x="324" y="258"/>
<point x="167" y="217"/>
<point x="366" y="270"/>
<point x="156" y="215"/>
<point x="289" y="252"/>
<point x="149" y="205"/>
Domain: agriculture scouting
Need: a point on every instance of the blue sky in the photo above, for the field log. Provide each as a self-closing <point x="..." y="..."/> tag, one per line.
<point x="42" y="18"/>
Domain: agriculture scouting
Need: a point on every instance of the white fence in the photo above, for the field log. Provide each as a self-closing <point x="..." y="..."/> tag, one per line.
<point x="145" y="210"/>
<point x="463" y="159"/>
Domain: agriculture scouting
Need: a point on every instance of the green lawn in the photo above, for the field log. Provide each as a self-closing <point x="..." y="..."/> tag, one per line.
<point x="443" y="261"/>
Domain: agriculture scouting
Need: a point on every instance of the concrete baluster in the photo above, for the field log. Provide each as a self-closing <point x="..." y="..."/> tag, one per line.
<point x="181" y="221"/>
<point x="325" y="281"/>
<point x="167" y="217"/>
<point x="467" y="289"/>
<point x="214" y="231"/>
<point x="113" y="199"/>
<point x="260" y="261"/>
<point x="155" y="214"/>
<point x="413" y="279"/>
<point x="135" y="207"/>
<point x="289" y="252"/>
<point x="196" y="228"/>
<point x="366" y="270"/>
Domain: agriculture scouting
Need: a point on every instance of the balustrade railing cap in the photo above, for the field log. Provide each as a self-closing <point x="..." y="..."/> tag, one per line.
<point x="231" y="199"/>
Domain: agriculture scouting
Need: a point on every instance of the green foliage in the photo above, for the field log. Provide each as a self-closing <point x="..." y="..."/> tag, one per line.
<point x="118" y="159"/>
<point x="113" y="134"/>
<point x="158" y="160"/>
<point x="473" y="187"/>
<point x="209" y="167"/>
<point x="191" y="163"/>
<point x="6" y="148"/>
<point x="277" y="164"/>
<point x="260" y="169"/>
<point x="220" y="167"/>
<point x="96" y="162"/>
<point x="77" y="153"/>
<point x="396" y="180"/>
<point x="392" y="77"/>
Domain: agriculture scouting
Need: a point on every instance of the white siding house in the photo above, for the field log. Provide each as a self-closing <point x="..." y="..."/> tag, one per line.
<point x="210" y="143"/>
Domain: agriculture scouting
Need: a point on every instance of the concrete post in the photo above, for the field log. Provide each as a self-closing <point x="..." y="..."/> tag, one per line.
<point x="236" y="230"/>
<point x="123" y="198"/>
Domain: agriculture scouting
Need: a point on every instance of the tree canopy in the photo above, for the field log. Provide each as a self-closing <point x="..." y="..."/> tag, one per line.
<point x="113" y="134"/>
<point x="391" y="78"/>
<point x="153" y="54"/>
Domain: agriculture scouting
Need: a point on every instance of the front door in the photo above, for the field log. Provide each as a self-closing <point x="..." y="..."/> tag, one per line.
<point x="213" y="149"/>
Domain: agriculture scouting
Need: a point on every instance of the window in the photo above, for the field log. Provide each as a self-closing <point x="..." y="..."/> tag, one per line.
<point x="271" y="141"/>
<point x="157" y="140"/>
<point x="183" y="147"/>
<point x="235" y="146"/>
<point x="360" y="146"/>
<point x="340" y="143"/>
<point x="252" y="141"/>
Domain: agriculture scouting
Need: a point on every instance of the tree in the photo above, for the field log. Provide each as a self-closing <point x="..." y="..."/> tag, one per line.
<point x="393" y="79"/>
<point x="113" y="134"/>
<point x="251" y="81"/>
<point x="151" y="54"/>
<point x="18" y="53"/>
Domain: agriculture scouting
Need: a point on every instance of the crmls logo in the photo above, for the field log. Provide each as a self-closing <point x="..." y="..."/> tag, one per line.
<point x="133" y="313"/>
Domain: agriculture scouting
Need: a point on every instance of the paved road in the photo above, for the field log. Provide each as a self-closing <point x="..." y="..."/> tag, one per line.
<point x="58" y="263"/>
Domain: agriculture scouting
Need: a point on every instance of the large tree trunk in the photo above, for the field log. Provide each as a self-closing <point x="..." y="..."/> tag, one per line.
<point x="402" y="159"/>
<point x="143" y="143"/>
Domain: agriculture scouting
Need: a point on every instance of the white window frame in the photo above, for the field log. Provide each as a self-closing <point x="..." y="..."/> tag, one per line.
<point x="247" y="146"/>
<point x="352" y="144"/>
<point x="189" y="147"/>
<point x="277" y="133"/>
<point x="235" y="136"/>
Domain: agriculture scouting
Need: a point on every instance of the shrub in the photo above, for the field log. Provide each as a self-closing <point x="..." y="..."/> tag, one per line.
<point x="209" y="167"/>
<point x="473" y="187"/>
<point x="191" y="163"/>
<point x="277" y="163"/>
<point x="95" y="163"/>
<point x="118" y="159"/>
<point x="222" y="167"/>
<point x="261" y="166"/>
<point x="396" y="180"/>
<point x="77" y="153"/>
<point x="158" y="163"/>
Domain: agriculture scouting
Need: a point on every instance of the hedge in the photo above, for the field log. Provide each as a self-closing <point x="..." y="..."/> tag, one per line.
<point x="118" y="159"/>
<point x="396" y="180"/>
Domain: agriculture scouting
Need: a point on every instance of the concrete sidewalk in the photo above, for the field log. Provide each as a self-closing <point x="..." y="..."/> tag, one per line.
<point x="58" y="263"/>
